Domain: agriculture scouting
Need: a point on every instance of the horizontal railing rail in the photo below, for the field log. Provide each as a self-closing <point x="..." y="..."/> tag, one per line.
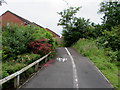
<point x="16" y="75"/>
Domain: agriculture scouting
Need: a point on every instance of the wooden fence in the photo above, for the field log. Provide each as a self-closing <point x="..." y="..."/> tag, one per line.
<point x="16" y="75"/>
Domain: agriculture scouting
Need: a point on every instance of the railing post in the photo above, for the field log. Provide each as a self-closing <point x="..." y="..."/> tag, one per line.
<point x="17" y="81"/>
<point x="36" y="66"/>
<point x="46" y="60"/>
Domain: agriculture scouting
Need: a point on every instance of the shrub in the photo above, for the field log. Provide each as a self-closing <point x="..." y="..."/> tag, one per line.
<point x="9" y="68"/>
<point x="111" y="39"/>
<point x="41" y="46"/>
<point x="41" y="33"/>
<point x="15" y="39"/>
<point x="27" y="58"/>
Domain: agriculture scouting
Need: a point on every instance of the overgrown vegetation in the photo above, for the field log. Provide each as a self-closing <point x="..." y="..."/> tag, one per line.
<point x="101" y="59"/>
<point x="105" y="52"/>
<point x="22" y="45"/>
<point x="111" y="40"/>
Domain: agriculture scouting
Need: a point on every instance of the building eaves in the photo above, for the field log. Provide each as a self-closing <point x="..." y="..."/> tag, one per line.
<point x="22" y="19"/>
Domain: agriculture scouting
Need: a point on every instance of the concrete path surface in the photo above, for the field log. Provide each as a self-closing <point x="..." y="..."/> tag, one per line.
<point x="69" y="70"/>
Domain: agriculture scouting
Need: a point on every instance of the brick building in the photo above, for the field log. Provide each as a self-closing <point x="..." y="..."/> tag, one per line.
<point x="9" y="17"/>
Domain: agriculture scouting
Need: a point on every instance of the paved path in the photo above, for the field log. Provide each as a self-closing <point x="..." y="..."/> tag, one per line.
<point x="70" y="70"/>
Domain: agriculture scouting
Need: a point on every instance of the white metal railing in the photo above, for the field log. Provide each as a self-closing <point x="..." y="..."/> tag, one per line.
<point x="16" y="75"/>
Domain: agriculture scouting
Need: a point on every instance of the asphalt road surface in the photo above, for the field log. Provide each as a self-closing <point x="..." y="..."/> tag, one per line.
<point x="69" y="70"/>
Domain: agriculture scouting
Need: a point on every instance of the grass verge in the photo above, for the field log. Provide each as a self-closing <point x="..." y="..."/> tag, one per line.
<point x="99" y="57"/>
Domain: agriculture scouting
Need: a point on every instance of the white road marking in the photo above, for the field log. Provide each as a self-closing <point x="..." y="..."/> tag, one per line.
<point x="75" y="77"/>
<point x="62" y="59"/>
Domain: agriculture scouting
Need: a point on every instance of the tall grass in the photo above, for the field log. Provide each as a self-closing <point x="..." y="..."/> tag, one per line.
<point x="99" y="57"/>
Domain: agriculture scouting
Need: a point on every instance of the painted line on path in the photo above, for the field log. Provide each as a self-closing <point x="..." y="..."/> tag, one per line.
<point x="75" y="77"/>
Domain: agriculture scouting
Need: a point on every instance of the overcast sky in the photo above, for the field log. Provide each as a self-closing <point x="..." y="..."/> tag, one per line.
<point x="44" y="12"/>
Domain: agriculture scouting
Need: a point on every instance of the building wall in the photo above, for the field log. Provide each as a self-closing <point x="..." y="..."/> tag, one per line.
<point x="8" y="17"/>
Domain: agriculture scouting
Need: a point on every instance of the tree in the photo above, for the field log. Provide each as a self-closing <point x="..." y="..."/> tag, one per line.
<point x="111" y="11"/>
<point x="68" y="17"/>
<point x="73" y="27"/>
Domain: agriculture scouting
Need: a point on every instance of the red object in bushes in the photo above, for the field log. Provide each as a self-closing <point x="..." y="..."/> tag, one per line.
<point x="40" y="46"/>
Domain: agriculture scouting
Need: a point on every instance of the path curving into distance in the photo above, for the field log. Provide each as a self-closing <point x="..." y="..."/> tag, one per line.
<point x="69" y="69"/>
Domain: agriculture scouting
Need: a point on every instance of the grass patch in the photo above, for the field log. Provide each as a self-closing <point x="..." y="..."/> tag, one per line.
<point x="99" y="57"/>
